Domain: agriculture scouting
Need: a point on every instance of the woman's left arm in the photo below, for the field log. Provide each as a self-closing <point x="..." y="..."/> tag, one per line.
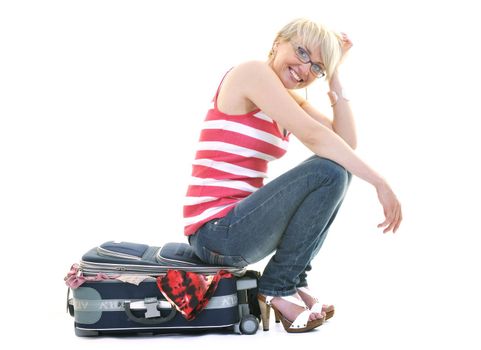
<point x="343" y="121"/>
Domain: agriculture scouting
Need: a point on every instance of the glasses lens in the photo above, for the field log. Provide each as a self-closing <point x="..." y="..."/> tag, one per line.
<point x="303" y="55"/>
<point x="317" y="70"/>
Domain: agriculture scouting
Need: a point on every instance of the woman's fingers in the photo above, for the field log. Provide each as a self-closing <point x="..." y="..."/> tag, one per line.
<point x="392" y="220"/>
<point x="347" y="42"/>
<point x="391" y="207"/>
<point x="398" y="219"/>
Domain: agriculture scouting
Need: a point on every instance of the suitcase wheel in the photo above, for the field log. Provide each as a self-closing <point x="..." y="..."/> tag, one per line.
<point x="249" y="324"/>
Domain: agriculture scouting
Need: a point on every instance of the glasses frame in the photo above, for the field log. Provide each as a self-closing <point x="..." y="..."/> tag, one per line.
<point x="299" y="50"/>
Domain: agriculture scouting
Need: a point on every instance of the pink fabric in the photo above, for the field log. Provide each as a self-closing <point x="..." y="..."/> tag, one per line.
<point x="75" y="278"/>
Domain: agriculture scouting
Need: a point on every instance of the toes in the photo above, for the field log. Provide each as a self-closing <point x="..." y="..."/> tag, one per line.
<point x="327" y="308"/>
<point x="316" y="316"/>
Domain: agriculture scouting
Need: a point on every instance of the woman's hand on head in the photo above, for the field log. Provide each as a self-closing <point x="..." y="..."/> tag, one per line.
<point x="391" y="207"/>
<point x="345" y="46"/>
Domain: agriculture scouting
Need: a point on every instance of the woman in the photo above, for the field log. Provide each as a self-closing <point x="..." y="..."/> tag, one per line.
<point x="232" y="218"/>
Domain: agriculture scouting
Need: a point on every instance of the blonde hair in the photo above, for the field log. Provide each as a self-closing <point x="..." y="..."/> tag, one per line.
<point x="312" y="35"/>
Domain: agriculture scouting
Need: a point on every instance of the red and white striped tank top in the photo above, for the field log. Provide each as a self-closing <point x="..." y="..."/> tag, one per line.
<point x="230" y="163"/>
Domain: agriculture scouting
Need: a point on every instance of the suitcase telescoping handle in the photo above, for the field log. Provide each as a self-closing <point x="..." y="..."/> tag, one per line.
<point x="152" y="316"/>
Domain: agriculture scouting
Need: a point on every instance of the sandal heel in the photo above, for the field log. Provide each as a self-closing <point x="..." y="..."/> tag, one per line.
<point x="265" y="312"/>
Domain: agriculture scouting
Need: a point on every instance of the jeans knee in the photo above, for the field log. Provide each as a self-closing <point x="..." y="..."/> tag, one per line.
<point x="333" y="173"/>
<point x="337" y="173"/>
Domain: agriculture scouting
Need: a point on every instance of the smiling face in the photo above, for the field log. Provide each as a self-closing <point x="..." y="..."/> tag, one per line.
<point x="289" y="65"/>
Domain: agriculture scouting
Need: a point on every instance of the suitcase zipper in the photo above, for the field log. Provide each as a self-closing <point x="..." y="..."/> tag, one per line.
<point x="106" y="252"/>
<point x="91" y="268"/>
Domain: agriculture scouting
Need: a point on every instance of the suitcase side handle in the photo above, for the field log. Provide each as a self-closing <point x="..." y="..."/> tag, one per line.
<point x="149" y="321"/>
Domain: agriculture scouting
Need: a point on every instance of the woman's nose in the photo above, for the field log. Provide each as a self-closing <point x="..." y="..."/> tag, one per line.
<point x="304" y="70"/>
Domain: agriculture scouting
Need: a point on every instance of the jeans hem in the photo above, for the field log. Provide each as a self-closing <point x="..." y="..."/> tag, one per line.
<point x="302" y="284"/>
<point x="273" y="293"/>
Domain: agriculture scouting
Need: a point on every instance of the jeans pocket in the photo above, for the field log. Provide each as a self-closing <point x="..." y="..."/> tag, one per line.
<point x="221" y="224"/>
<point x="215" y="258"/>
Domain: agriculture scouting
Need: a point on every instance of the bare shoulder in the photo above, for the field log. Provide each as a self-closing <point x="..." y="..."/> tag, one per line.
<point x="252" y="78"/>
<point x="250" y="70"/>
<point x="237" y="86"/>
<point x="253" y="65"/>
<point x="253" y="71"/>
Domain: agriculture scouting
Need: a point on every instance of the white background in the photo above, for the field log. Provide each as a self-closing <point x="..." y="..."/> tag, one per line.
<point x="100" y="108"/>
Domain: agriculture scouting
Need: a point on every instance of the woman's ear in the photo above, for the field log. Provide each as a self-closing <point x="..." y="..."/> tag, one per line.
<point x="274" y="46"/>
<point x="273" y="49"/>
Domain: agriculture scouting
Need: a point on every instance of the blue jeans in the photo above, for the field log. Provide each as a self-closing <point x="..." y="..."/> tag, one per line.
<point x="290" y="215"/>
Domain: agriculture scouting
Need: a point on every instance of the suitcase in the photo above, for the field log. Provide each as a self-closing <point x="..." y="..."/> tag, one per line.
<point x="115" y="291"/>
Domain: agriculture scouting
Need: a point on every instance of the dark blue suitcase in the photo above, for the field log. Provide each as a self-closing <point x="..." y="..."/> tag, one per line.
<point x="112" y="306"/>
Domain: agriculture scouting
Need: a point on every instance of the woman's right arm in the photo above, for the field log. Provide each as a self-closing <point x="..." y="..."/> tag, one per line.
<point x="259" y="84"/>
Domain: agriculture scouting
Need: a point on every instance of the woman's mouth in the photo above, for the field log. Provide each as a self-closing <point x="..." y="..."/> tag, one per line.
<point x="295" y="76"/>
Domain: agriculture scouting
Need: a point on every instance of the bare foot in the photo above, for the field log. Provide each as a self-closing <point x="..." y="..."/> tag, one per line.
<point x="309" y="300"/>
<point x="291" y="311"/>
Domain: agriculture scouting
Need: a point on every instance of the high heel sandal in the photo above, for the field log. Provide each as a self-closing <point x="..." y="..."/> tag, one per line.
<point x="318" y="307"/>
<point x="300" y="324"/>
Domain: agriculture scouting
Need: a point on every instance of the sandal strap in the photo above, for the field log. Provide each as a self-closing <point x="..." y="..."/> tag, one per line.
<point x="294" y="300"/>
<point x="317" y="308"/>
<point x="301" y="320"/>
<point x="289" y="298"/>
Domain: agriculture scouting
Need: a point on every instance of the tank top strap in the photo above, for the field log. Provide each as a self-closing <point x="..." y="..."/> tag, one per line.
<point x="218" y="88"/>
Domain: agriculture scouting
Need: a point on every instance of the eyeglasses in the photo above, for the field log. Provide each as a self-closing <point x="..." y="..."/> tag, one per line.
<point x="304" y="57"/>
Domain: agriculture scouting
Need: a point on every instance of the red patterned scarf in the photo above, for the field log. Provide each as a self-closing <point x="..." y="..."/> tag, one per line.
<point x="189" y="292"/>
